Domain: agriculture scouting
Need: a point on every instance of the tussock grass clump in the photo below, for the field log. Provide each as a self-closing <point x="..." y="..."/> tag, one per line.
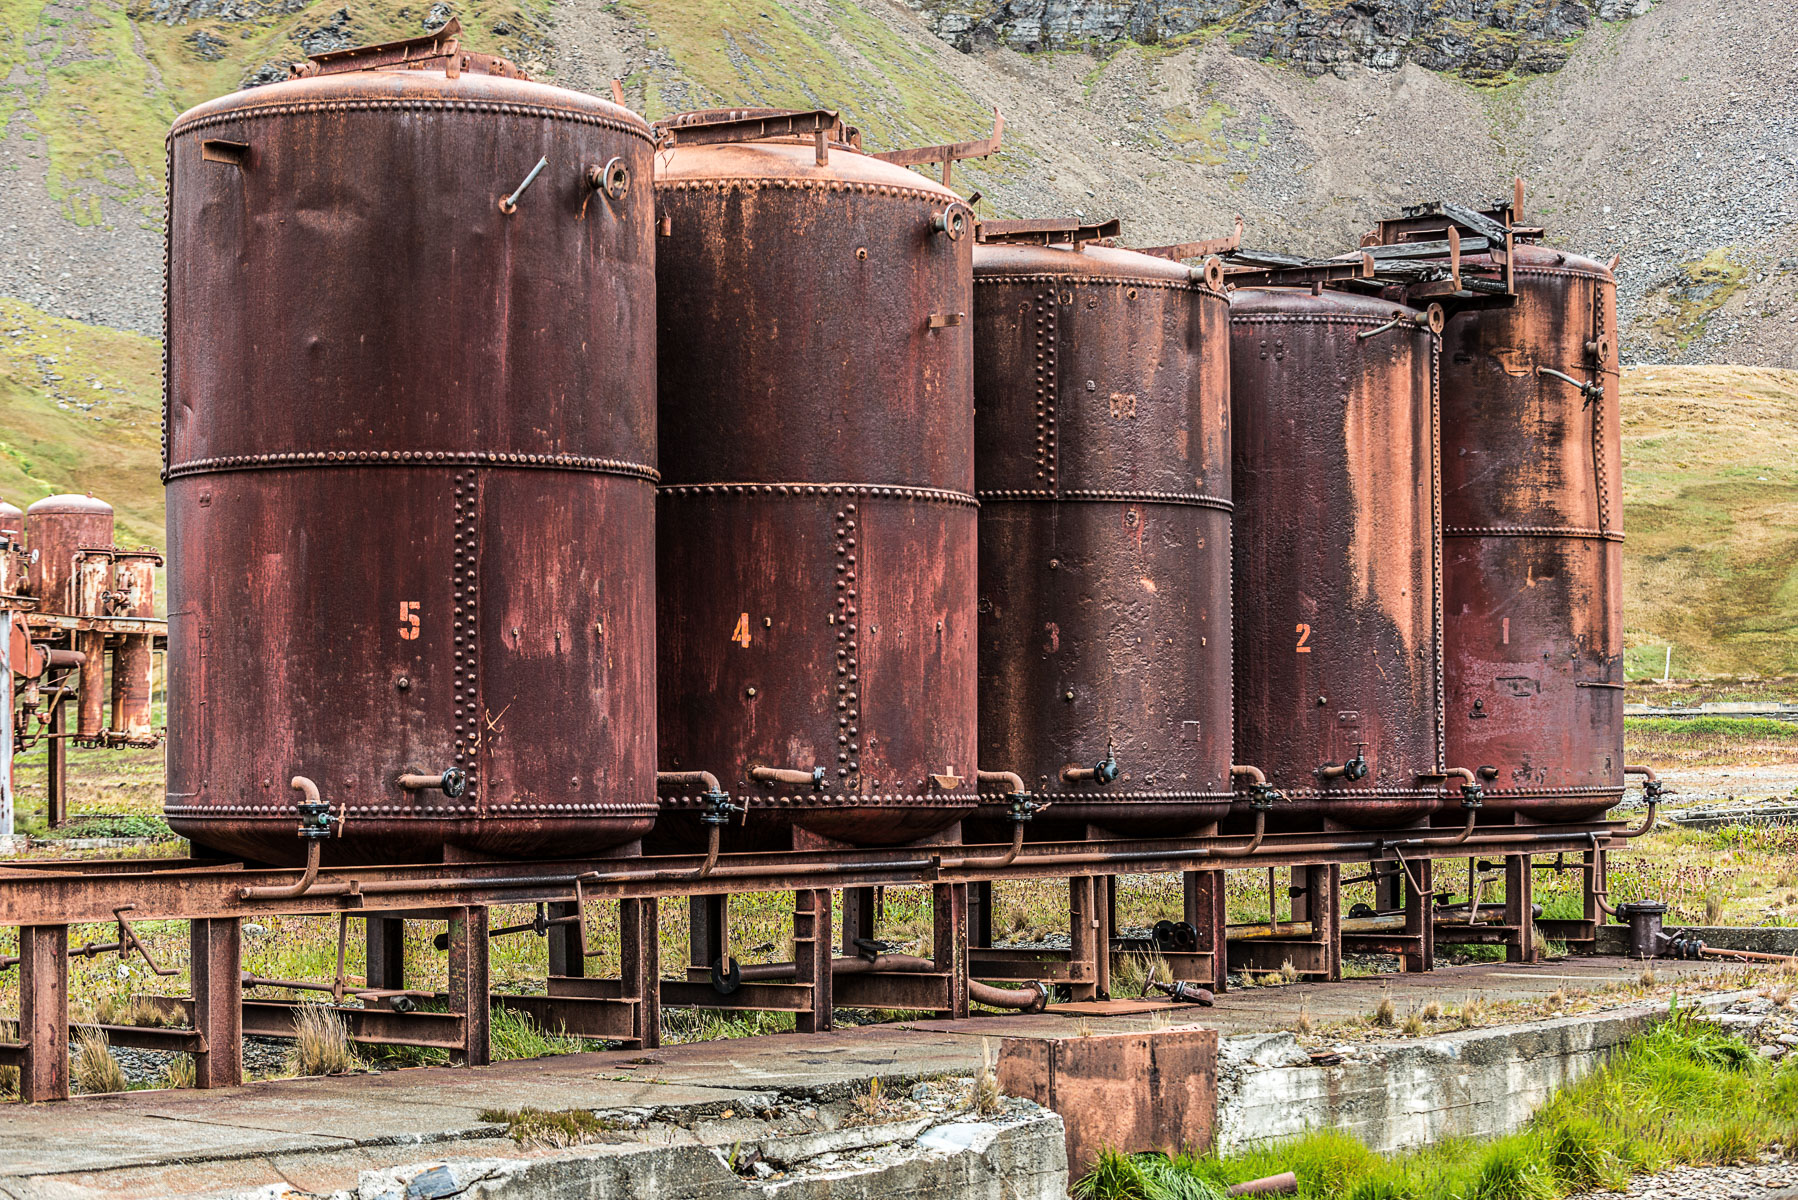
<point x="95" y="1069"/>
<point x="682" y="1025"/>
<point x="539" y="1127"/>
<point x="321" y="1043"/>
<point x="1386" y="1015"/>
<point x="1414" y="1024"/>
<point x="1684" y="1093"/>
<point x="1432" y="1011"/>
<point x="1131" y="973"/>
<point x="985" y="1097"/>
<point x="179" y="1073"/>
<point x="515" y="1035"/>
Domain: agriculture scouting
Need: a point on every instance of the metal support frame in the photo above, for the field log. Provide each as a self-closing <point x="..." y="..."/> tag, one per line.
<point x="812" y="955"/>
<point x="1203" y="904"/>
<point x="468" y="990"/>
<point x="44" y="1012"/>
<point x="216" y="966"/>
<point x="1315" y="946"/>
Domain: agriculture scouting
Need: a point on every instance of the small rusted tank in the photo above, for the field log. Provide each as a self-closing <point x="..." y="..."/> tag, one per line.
<point x="816" y="514"/>
<point x="1337" y="651"/>
<point x="12" y="519"/>
<point x="1102" y="464"/>
<point x="1532" y="516"/>
<point x="57" y="530"/>
<point x="410" y="459"/>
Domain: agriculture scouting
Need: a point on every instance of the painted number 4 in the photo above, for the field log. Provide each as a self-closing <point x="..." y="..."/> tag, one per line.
<point x="740" y="635"/>
<point x="1304" y="632"/>
<point x="409" y="620"/>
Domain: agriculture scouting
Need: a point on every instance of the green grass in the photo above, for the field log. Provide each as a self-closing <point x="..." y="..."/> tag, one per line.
<point x="1685" y="1092"/>
<point x="1710" y="493"/>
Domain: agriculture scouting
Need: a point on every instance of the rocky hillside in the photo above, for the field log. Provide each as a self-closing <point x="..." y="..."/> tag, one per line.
<point x="1482" y="39"/>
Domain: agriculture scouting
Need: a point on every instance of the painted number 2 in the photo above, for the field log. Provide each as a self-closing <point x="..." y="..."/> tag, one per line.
<point x="409" y="620"/>
<point x="740" y="635"/>
<point x="1304" y="632"/>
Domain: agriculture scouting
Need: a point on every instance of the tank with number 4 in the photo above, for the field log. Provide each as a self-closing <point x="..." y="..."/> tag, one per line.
<point x="816" y="514"/>
<point x="410" y="481"/>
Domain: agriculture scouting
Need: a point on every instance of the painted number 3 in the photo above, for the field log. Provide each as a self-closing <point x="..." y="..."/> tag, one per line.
<point x="1304" y="632"/>
<point x="409" y="619"/>
<point x="740" y="635"/>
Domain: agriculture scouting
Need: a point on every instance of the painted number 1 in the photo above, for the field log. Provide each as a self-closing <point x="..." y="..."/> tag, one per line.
<point x="740" y="635"/>
<point x="1304" y="632"/>
<point x="409" y="620"/>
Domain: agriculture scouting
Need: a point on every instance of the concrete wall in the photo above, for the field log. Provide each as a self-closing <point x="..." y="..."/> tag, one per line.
<point x="1614" y="939"/>
<point x="1401" y="1094"/>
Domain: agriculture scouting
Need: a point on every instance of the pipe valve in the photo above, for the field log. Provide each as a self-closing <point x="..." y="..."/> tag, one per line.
<point x="1024" y="806"/>
<point x="1352" y="770"/>
<point x="451" y="783"/>
<point x="315" y="814"/>
<point x="1262" y="796"/>
<point x="718" y="808"/>
<point x="1099" y="774"/>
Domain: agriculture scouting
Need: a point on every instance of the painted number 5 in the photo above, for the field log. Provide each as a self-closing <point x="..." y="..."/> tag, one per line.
<point x="1304" y="632"/>
<point x="409" y="619"/>
<point x="740" y="635"/>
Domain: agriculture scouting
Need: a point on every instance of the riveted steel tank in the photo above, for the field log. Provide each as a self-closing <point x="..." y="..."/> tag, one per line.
<point x="57" y="530"/>
<point x="1102" y="464"/>
<point x="816" y="518"/>
<point x="1532" y="515"/>
<point x="12" y="519"/>
<point x="410" y="449"/>
<point x="1337" y="648"/>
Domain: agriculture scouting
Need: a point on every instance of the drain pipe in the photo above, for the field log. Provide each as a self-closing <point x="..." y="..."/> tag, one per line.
<point x="1651" y="793"/>
<point x="717" y="815"/>
<point x="1032" y="998"/>
<point x="1262" y="797"/>
<point x="1023" y="807"/>
<point x="315" y="827"/>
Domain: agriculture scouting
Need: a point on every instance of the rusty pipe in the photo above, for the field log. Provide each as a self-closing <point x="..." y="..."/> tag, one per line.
<point x="451" y="783"/>
<point x="1254" y="842"/>
<point x="1004" y="860"/>
<point x="1009" y="782"/>
<point x="1099" y="774"/>
<point x="1748" y="955"/>
<point x="57" y="657"/>
<point x="795" y="778"/>
<point x="713" y="833"/>
<point x="289" y="891"/>
<point x="1031" y="999"/>
<point x="1283" y="1184"/>
<point x="704" y="780"/>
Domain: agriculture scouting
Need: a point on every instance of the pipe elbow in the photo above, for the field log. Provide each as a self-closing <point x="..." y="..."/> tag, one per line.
<point x="1009" y="783"/>
<point x="1243" y="771"/>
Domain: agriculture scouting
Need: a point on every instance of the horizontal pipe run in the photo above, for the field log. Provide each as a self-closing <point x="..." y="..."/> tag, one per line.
<point x="1008" y="782"/>
<point x="703" y="780"/>
<point x="788" y="776"/>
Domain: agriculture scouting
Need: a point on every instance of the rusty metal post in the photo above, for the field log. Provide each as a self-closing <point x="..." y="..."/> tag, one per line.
<point x="1082" y="928"/>
<point x="1317" y="898"/>
<point x="216" y="965"/>
<point x="386" y="962"/>
<point x="858" y="917"/>
<point x="1419" y="922"/>
<point x="1388" y="892"/>
<point x="640" y="967"/>
<point x="708" y="934"/>
<point x="1204" y="895"/>
<point x="812" y="953"/>
<point x="56" y="794"/>
<point x="1520" y="945"/>
<point x="980" y="913"/>
<point x="949" y="912"/>
<point x="1105" y="918"/>
<point x="44" y="1012"/>
<point x="468" y="993"/>
<point x="565" y="957"/>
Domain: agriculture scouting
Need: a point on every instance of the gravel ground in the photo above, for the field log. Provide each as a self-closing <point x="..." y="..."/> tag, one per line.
<point x="1771" y="1179"/>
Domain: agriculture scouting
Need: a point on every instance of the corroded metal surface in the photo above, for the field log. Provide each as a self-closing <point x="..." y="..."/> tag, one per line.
<point x="1337" y="645"/>
<point x="816" y="518"/>
<point x="1532" y="513"/>
<point x="410" y="463"/>
<point x="1102" y="462"/>
<point x="57" y="530"/>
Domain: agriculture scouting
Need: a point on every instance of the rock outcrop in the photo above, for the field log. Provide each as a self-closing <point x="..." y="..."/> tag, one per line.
<point x="1482" y="39"/>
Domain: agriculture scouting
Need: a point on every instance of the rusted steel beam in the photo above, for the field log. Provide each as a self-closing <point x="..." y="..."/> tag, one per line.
<point x="578" y="1016"/>
<point x="468" y="992"/>
<point x="44" y="1012"/>
<point x="758" y="997"/>
<point x="216" y="967"/>
<point x="437" y="1030"/>
<point x="930" y="991"/>
<point x="1048" y="231"/>
<point x="812" y="955"/>
<point x="949" y="913"/>
<point x="639" y="952"/>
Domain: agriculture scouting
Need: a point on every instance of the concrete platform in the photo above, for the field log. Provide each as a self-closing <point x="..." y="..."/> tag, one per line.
<point x="319" y="1136"/>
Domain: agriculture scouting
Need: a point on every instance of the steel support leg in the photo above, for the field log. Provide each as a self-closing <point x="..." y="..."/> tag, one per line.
<point x="813" y="949"/>
<point x="708" y="934"/>
<point x="640" y="967"/>
<point x="1520" y="909"/>
<point x="44" y="1012"/>
<point x="386" y="961"/>
<point x="858" y="917"/>
<point x="468" y="991"/>
<point x="216" y="964"/>
<point x="949" y="913"/>
<point x="1083" y="943"/>
<point x="1388" y="885"/>
<point x="56" y="794"/>
<point x="1204" y="894"/>
<point x="1419" y="921"/>
<point x="1105" y="909"/>
<point x="565" y="957"/>
<point x="1323" y="908"/>
<point x="980" y="913"/>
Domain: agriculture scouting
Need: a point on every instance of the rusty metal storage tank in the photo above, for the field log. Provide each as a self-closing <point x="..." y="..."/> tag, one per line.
<point x="410" y="458"/>
<point x="1532" y="515"/>
<point x="1337" y="646"/>
<point x="1102" y="464"/>
<point x="816" y="513"/>
<point x="57" y="529"/>
<point x="12" y="519"/>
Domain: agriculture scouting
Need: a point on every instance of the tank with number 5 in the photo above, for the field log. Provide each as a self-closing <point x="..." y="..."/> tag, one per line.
<point x="410" y="483"/>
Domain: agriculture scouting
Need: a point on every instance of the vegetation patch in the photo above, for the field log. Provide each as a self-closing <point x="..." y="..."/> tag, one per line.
<point x="538" y="1127"/>
<point x="1685" y="1093"/>
<point x="1689" y="303"/>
